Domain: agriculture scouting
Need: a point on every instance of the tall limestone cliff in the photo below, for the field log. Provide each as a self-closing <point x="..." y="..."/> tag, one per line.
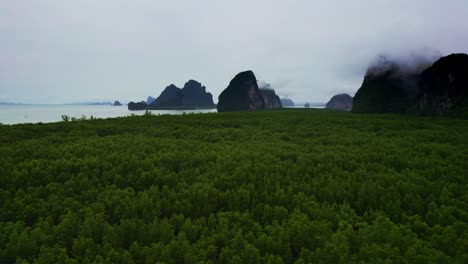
<point x="269" y="96"/>
<point x="444" y="87"/>
<point x="242" y="94"/>
<point x="388" y="87"/>
<point x="439" y="88"/>
<point x="195" y="95"/>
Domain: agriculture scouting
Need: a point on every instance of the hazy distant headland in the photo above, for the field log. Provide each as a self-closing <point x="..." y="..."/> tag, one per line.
<point x="9" y="103"/>
<point x="92" y="103"/>
<point x="287" y="102"/>
<point x="340" y="102"/>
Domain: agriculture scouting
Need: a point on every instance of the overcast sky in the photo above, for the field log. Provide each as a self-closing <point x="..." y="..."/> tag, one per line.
<point x="55" y="51"/>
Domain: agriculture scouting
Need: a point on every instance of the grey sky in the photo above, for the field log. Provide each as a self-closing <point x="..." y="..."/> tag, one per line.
<point x="55" y="51"/>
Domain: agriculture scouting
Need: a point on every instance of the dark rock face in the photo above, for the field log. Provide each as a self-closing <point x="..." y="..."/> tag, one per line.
<point x="287" y="102"/>
<point x="307" y="105"/>
<point x="242" y="94"/>
<point x="150" y="100"/>
<point x="340" y="102"/>
<point x="444" y="87"/>
<point x="117" y="103"/>
<point x="195" y="95"/>
<point x="440" y="88"/>
<point x="270" y="98"/>
<point x="137" y="106"/>
<point x="169" y="98"/>
<point x="388" y="87"/>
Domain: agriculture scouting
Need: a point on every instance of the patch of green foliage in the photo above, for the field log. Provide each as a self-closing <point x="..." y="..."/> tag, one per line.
<point x="285" y="186"/>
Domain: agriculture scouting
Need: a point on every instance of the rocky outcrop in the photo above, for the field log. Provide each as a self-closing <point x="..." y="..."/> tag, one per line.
<point x="439" y="88"/>
<point x="388" y="87"/>
<point x="195" y="95"/>
<point x="286" y="102"/>
<point x="444" y="87"/>
<point x="150" y="99"/>
<point x="340" y="102"/>
<point x="137" y="106"/>
<point x="170" y="97"/>
<point x="307" y="105"/>
<point x="117" y="103"/>
<point x="242" y="94"/>
<point x="270" y="98"/>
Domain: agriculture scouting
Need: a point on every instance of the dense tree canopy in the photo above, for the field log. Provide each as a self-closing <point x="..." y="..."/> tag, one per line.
<point x="285" y="186"/>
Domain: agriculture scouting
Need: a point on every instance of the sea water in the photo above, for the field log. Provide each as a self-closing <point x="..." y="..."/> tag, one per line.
<point x="17" y="114"/>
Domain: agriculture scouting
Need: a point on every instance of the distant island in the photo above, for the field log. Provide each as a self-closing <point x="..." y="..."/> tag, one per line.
<point x="9" y="103"/>
<point x="340" y="102"/>
<point x="90" y="103"/>
<point x="100" y="103"/>
<point x="287" y="102"/>
<point x="192" y="96"/>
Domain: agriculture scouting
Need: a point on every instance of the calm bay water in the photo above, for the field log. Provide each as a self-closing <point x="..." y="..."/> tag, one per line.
<point x="17" y="114"/>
